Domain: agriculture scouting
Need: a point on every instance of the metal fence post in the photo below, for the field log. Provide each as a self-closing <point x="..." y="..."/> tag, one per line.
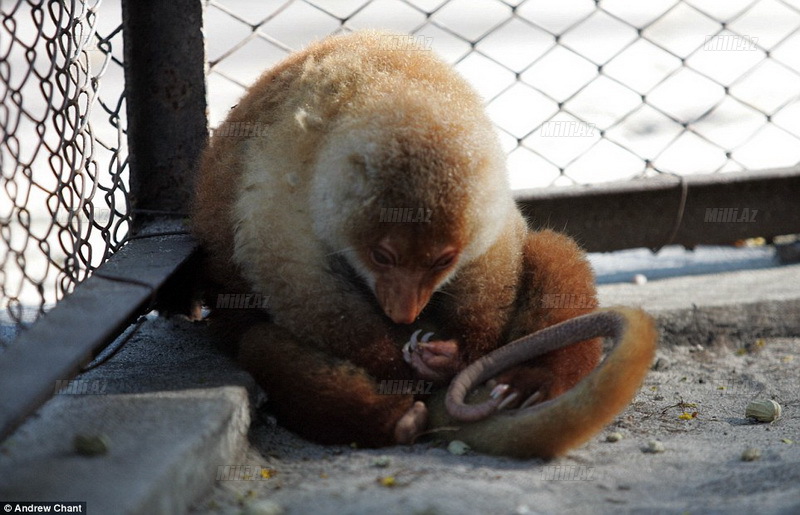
<point x="166" y="103"/>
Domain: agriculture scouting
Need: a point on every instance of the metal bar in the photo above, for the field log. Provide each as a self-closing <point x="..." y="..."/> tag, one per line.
<point x="166" y="102"/>
<point x="84" y="322"/>
<point x="719" y="209"/>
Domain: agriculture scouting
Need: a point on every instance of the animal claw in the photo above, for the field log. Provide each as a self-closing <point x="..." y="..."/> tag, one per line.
<point x="501" y="389"/>
<point x="426" y="337"/>
<point x="411" y="345"/>
<point x="498" y="391"/>
<point x="508" y="400"/>
<point x="530" y="401"/>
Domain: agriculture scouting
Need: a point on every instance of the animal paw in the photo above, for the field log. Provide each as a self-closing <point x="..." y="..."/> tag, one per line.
<point x="523" y="387"/>
<point x="436" y="360"/>
<point x="411" y="424"/>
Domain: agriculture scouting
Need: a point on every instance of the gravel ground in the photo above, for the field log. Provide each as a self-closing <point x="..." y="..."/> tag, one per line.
<point x="693" y="402"/>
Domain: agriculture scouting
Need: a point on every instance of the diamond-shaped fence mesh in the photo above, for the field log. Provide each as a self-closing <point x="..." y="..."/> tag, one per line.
<point x="63" y="202"/>
<point x="581" y="91"/>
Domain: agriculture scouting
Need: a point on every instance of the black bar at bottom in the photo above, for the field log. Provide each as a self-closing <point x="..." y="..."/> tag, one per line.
<point x="42" y="507"/>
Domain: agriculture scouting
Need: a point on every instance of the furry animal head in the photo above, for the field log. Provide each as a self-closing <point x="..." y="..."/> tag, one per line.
<point x="413" y="184"/>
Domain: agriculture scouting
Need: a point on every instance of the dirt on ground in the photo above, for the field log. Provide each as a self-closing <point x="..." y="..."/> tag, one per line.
<point x="709" y="457"/>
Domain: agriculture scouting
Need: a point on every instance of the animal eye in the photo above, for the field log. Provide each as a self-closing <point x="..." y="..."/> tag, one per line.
<point x="444" y="261"/>
<point x="381" y="258"/>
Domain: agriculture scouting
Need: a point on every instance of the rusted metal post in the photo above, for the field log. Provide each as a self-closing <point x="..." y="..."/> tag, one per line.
<point x="166" y="103"/>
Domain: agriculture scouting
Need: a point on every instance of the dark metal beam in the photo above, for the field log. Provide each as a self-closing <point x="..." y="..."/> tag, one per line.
<point x="84" y="322"/>
<point x="166" y="102"/>
<point x="644" y="213"/>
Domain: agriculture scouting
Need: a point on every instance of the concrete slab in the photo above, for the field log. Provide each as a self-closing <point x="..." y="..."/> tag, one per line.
<point x="717" y="309"/>
<point x="166" y="355"/>
<point x="163" y="449"/>
<point x="676" y="261"/>
<point x="777" y="284"/>
<point x="172" y="407"/>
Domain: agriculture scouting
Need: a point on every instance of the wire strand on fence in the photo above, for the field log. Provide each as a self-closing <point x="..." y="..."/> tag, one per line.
<point x="581" y="91"/>
<point x="63" y="161"/>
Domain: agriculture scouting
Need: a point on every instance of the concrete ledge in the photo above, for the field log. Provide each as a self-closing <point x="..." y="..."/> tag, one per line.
<point x="173" y="408"/>
<point x="716" y="309"/>
<point x="83" y="322"/>
<point x="164" y="449"/>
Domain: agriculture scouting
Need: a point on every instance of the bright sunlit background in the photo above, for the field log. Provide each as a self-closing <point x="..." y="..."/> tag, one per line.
<point x="581" y="92"/>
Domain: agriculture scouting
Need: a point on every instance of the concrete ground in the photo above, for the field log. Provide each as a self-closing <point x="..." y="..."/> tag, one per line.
<point x="169" y="425"/>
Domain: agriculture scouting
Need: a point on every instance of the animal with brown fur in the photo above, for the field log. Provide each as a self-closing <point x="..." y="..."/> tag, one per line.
<point x="301" y="208"/>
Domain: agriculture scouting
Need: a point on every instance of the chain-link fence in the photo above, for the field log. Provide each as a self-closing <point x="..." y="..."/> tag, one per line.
<point x="581" y="92"/>
<point x="63" y="202"/>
